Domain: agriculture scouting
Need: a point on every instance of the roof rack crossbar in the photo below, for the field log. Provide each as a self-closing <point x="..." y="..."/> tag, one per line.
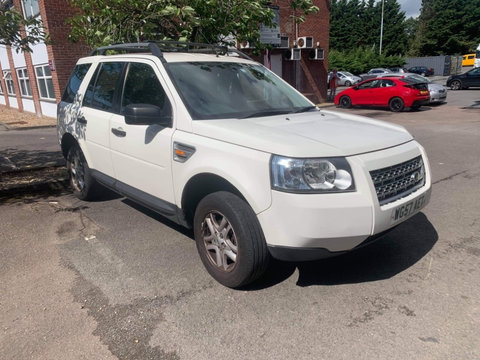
<point x="157" y="48"/>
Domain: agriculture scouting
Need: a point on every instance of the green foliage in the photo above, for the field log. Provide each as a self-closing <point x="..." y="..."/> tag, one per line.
<point x="360" y="60"/>
<point x="11" y="24"/>
<point x="356" y="23"/>
<point x="103" y="22"/>
<point x="447" y="27"/>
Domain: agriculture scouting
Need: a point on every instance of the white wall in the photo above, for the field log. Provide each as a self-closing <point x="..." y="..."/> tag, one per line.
<point x="28" y="105"/>
<point x="49" y="108"/>
<point x="18" y="59"/>
<point x="39" y="54"/>
<point x="4" y="58"/>
<point x="13" y="102"/>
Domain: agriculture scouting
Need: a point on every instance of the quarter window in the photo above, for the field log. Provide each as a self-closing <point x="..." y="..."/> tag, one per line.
<point x="74" y="82"/>
<point x="7" y="75"/>
<point x="30" y="8"/>
<point x="24" y="82"/>
<point x="44" y="81"/>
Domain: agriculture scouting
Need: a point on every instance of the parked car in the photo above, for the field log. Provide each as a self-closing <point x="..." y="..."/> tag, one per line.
<point x="463" y="81"/>
<point x="222" y="145"/>
<point x="347" y="79"/>
<point x="421" y="70"/>
<point x="438" y="93"/>
<point x="396" y="93"/>
<point x="399" y="70"/>
<point x="372" y="73"/>
<point x="468" y="60"/>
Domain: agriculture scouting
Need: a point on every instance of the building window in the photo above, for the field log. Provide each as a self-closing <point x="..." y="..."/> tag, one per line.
<point x="7" y="75"/>
<point x="1" y="87"/>
<point x="45" y="83"/>
<point x="24" y="82"/>
<point x="30" y="8"/>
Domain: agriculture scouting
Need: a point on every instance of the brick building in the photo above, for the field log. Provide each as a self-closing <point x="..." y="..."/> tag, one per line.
<point x="34" y="81"/>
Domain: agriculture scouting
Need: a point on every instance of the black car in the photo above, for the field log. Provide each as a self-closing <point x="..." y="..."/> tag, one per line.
<point x="421" y="70"/>
<point x="465" y="80"/>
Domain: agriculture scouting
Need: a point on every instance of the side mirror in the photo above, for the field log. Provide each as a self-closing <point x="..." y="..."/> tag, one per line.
<point x="148" y="114"/>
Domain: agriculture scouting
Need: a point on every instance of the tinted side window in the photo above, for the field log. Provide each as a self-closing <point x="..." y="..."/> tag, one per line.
<point x="74" y="82"/>
<point x="87" y="100"/>
<point x="106" y="84"/>
<point x="142" y="87"/>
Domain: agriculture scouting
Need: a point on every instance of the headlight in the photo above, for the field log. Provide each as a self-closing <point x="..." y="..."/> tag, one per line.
<point x="317" y="175"/>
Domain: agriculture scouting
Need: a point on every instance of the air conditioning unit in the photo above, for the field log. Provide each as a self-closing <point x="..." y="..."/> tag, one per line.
<point x="284" y="42"/>
<point x="293" y="54"/>
<point x="316" y="54"/>
<point x="305" y="42"/>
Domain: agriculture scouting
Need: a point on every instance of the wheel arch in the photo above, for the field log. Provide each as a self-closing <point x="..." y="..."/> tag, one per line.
<point x="67" y="142"/>
<point x="200" y="186"/>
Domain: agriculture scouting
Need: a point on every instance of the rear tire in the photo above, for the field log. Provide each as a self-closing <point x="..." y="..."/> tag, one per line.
<point x="345" y="102"/>
<point x="396" y="104"/>
<point x="83" y="184"/>
<point x="229" y="239"/>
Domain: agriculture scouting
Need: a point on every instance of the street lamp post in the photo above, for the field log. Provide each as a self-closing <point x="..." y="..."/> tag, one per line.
<point x="381" y="28"/>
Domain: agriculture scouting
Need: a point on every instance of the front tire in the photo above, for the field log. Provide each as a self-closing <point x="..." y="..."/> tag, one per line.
<point x="456" y="85"/>
<point x="396" y="104"/>
<point x="83" y="184"/>
<point x="229" y="239"/>
<point x="345" y="102"/>
<point x="348" y="83"/>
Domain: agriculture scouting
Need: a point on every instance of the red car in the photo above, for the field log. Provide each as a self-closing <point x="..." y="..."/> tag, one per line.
<point x="392" y="92"/>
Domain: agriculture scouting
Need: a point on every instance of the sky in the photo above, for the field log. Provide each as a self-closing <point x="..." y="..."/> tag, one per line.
<point x="411" y="7"/>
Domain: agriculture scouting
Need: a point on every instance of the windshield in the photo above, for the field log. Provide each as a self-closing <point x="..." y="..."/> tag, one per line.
<point x="217" y="90"/>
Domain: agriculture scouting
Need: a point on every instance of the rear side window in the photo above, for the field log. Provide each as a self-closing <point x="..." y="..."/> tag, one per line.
<point x="74" y="82"/>
<point x="100" y="93"/>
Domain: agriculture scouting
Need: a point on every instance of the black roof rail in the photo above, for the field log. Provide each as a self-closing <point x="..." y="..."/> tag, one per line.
<point x="157" y="48"/>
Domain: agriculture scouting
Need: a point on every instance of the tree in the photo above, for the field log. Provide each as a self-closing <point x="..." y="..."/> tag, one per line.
<point x="103" y="22"/>
<point x="355" y="23"/>
<point x="11" y="25"/>
<point x="447" y="27"/>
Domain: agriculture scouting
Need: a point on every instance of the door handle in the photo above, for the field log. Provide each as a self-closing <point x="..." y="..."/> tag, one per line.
<point x="82" y="120"/>
<point x="119" y="132"/>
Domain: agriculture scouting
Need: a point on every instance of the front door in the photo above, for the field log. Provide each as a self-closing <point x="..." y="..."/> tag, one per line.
<point x="142" y="154"/>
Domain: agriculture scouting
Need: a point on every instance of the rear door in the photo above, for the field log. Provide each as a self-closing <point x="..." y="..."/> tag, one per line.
<point x="142" y="154"/>
<point x="384" y="90"/>
<point x="94" y="116"/>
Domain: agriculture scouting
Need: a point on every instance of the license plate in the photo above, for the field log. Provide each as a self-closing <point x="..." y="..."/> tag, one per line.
<point x="408" y="209"/>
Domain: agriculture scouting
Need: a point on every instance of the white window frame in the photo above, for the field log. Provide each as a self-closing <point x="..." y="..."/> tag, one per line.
<point x="27" y="6"/>
<point x="7" y="76"/>
<point x="1" y="85"/>
<point x="44" y="79"/>
<point x="24" y="82"/>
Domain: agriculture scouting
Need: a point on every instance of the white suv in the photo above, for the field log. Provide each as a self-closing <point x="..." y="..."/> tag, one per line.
<point x="215" y="141"/>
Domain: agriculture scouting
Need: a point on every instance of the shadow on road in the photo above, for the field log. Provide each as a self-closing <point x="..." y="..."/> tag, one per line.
<point x="15" y="159"/>
<point x="389" y="256"/>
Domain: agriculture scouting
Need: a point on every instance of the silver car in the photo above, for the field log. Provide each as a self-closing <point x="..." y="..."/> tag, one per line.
<point x="438" y="93"/>
<point x="347" y="79"/>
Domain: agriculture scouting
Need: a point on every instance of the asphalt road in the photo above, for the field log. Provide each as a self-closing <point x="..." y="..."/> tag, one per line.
<point x="111" y="280"/>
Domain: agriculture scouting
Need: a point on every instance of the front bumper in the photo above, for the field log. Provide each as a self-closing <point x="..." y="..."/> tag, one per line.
<point x="313" y="226"/>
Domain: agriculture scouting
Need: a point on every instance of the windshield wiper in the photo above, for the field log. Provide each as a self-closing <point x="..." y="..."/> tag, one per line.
<point x="267" y="113"/>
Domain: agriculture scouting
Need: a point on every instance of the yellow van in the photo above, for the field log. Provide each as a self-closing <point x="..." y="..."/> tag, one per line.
<point x="468" y="60"/>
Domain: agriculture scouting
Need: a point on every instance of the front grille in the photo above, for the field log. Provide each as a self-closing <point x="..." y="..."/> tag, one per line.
<point x="394" y="182"/>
